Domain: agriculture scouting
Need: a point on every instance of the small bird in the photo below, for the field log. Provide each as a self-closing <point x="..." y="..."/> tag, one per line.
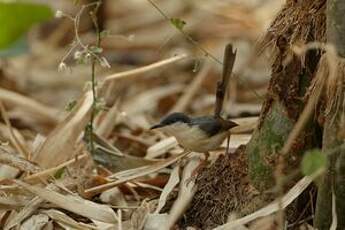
<point x="197" y="134"/>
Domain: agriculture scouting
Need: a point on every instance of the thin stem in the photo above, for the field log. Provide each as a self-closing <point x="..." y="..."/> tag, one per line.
<point x="93" y="75"/>
<point x="143" y="69"/>
<point x="94" y="20"/>
<point x="199" y="47"/>
<point x="77" y="42"/>
<point x="189" y="38"/>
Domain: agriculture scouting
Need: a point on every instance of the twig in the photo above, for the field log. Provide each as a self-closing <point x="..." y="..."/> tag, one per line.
<point x="148" y="170"/>
<point x="51" y="171"/>
<point x="229" y="60"/>
<point x="144" y="69"/>
<point x="187" y="36"/>
<point x="93" y="75"/>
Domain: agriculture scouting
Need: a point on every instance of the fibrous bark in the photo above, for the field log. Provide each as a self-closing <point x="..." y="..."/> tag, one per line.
<point x="332" y="183"/>
<point x="291" y="77"/>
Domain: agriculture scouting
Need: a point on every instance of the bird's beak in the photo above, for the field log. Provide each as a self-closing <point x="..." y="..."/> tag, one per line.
<point x="157" y="126"/>
<point x="234" y="124"/>
<point x="229" y="124"/>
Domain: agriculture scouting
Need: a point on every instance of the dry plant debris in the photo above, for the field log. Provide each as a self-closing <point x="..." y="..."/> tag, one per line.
<point x="134" y="178"/>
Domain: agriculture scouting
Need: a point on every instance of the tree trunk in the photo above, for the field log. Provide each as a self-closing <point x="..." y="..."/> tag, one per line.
<point x="286" y="94"/>
<point x="333" y="180"/>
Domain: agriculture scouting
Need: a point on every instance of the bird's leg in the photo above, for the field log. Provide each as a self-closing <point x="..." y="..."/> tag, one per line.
<point x="207" y="155"/>
<point x="228" y="143"/>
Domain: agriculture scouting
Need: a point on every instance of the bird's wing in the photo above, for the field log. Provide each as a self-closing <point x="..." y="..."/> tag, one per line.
<point x="210" y="125"/>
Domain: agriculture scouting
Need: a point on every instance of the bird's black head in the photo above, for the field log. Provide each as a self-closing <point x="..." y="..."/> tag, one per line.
<point x="171" y="119"/>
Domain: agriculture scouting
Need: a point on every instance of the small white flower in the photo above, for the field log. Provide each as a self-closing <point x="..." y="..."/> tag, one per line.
<point x="62" y="67"/>
<point x="77" y="55"/>
<point x="104" y="63"/>
<point x="88" y="56"/>
<point x="59" y="14"/>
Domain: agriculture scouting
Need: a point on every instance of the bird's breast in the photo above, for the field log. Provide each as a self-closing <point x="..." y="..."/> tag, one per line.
<point x="194" y="139"/>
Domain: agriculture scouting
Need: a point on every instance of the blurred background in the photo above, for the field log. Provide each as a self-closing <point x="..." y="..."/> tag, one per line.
<point x="137" y="35"/>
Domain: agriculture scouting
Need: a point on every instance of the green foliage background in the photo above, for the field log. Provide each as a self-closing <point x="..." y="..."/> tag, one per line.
<point x="16" y="18"/>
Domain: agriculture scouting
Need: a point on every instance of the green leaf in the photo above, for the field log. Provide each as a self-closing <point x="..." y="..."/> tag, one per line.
<point x="313" y="161"/>
<point x="178" y="23"/>
<point x="18" y="17"/>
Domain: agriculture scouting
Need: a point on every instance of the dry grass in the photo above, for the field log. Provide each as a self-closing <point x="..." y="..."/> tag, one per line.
<point x="48" y="176"/>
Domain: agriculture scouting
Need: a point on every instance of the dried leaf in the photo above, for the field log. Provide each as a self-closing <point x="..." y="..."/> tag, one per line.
<point x="35" y="222"/>
<point x="61" y="217"/>
<point x="52" y="171"/>
<point x="59" y="145"/>
<point x="17" y="162"/>
<point x="112" y="158"/>
<point x="104" y="226"/>
<point x="161" y="147"/>
<point x="42" y="112"/>
<point x="139" y="216"/>
<point x="113" y="197"/>
<point x="28" y="210"/>
<point x="12" y="202"/>
<point x="74" y="204"/>
<point x="186" y="192"/>
<point x="136" y="173"/>
<point x="8" y="172"/>
<point x="155" y="221"/>
<point x="168" y="188"/>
